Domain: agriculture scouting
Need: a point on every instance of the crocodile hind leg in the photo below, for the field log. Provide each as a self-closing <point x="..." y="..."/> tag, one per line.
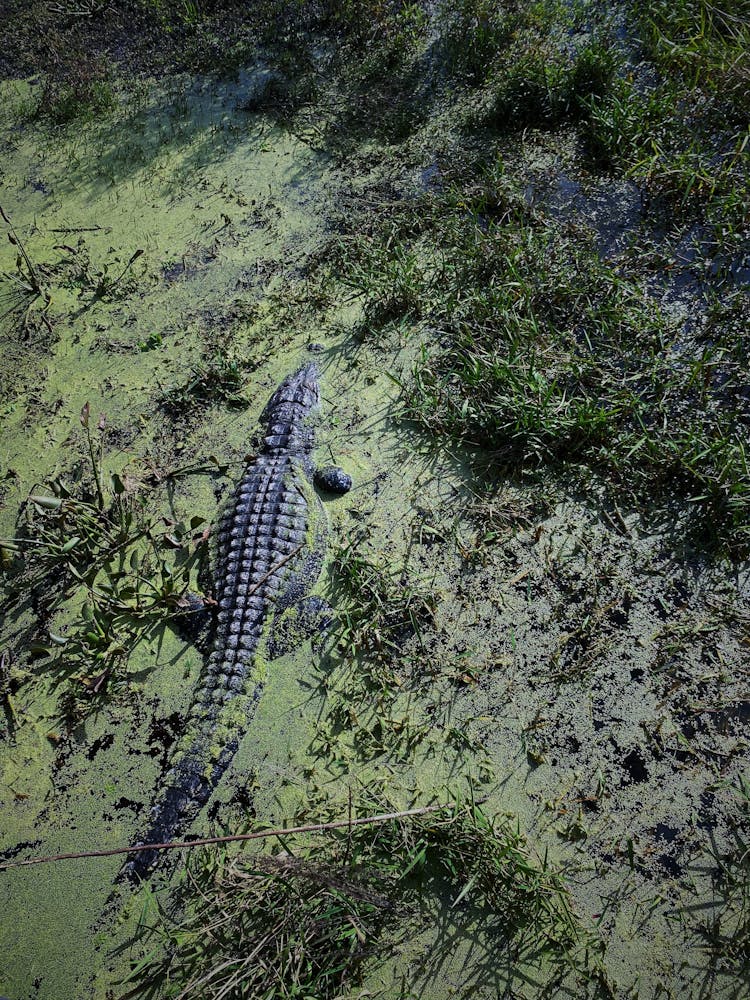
<point x="309" y="618"/>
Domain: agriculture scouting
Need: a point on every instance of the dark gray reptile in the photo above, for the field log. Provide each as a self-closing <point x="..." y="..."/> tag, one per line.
<point x="269" y="552"/>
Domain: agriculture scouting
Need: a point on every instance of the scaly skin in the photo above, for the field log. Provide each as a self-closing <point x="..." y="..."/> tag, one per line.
<point x="264" y="563"/>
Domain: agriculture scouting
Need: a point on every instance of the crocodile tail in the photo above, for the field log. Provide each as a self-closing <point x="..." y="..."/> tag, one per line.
<point x="189" y="785"/>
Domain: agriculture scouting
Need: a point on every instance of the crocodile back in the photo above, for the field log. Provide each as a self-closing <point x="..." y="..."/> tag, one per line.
<point x="265" y="530"/>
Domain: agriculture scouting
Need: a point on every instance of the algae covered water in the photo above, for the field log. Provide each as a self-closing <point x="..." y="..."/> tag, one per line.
<point x="533" y="360"/>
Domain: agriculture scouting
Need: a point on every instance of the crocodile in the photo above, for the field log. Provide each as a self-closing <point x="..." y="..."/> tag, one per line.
<point x="269" y="551"/>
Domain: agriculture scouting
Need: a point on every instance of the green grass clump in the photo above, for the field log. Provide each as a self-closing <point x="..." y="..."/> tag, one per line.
<point x="539" y="352"/>
<point x="539" y="88"/>
<point x="25" y="288"/>
<point x="308" y="922"/>
<point x="472" y="34"/>
<point x="69" y="101"/>
<point x="394" y="278"/>
<point x="519" y="63"/>
<point x="682" y="130"/>
<point x="489" y="864"/>
<point x="270" y="928"/>
<point x="705" y="43"/>
<point x="220" y="379"/>
<point x="379" y="608"/>
<point x="103" y="570"/>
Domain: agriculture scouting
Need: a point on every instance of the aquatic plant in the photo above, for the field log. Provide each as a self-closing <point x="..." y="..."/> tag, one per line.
<point x="27" y="286"/>
<point x="378" y="607"/>
<point x="100" y="545"/>
<point x="220" y="379"/>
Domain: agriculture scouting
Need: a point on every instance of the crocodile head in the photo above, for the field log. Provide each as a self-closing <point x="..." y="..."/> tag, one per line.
<point x="287" y="411"/>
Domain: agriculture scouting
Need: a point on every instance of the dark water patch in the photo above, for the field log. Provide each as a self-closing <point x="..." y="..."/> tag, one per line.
<point x="731" y="720"/>
<point x="619" y="616"/>
<point x="162" y="735"/>
<point x="125" y="803"/>
<point x="12" y="852"/>
<point x="635" y="766"/>
<point x="727" y="721"/>
<point x="102" y="743"/>
<point x="665" y="832"/>
<point x="670" y="865"/>
<point x="707" y="812"/>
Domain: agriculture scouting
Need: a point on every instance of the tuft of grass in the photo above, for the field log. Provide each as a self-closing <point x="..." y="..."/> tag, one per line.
<point x="220" y="379"/>
<point x="308" y="922"/>
<point x="727" y="930"/>
<point x="27" y="286"/>
<point x="269" y="928"/>
<point x="76" y="83"/>
<point x="538" y="90"/>
<point x="379" y="608"/>
<point x="96" y="542"/>
<point x="472" y="32"/>
<point x="392" y="279"/>
<point x="706" y="43"/>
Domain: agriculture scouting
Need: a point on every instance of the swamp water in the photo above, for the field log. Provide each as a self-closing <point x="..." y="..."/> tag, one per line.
<point x="576" y="677"/>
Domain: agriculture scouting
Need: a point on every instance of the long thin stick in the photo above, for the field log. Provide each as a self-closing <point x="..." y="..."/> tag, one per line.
<point x="259" y="835"/>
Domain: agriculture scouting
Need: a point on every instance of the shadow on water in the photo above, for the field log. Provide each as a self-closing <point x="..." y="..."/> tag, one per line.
<point x="468" y="951"/>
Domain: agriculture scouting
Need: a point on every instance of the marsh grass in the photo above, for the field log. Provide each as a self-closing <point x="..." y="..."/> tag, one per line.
<point x="31" y="291"/>
<point x="27" y="286"/>
<point x="96" y="542"/>
<point x="80" y="95"/>
<point x="307" y="922"/>
<point x="218" y="379"/>
<point x="380" y="607"/>
<point x="726" y="931"/>
<point x="705" y="42"/>
<point x="540" y="353"/>
<point x="682" y="131"/>
<point x="539" y="88"/>
<point x="267" y="928"/>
